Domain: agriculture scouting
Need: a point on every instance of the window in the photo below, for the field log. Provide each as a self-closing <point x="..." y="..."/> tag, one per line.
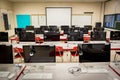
<point x="5" y="19"/>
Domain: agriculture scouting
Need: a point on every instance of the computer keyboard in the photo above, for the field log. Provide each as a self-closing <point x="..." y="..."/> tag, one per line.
<point x="97" y="70"/>
<point x="4" y="74"/>
<point x="37" y="76"/>
<point x="94" y="70"/>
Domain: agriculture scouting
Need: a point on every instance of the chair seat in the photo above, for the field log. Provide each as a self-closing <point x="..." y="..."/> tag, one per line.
<point x="58" y="54"/>
<point x="19" y="52"/>
<point x="74" y="54"/>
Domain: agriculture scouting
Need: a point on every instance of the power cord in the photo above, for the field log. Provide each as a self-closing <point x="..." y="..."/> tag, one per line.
<point x="74" y="70"/>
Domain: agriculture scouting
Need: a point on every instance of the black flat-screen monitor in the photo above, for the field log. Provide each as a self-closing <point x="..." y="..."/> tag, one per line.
<point x="53" y="28"/>
<point x="39" y="53"/>
<point x="65" y="28"/>
<point x="98" y="29"/>
<point x="43" y="28"/>
<point x="6" y="54"/>
<point x="18" y="31"/>
<point x="52" y="36"/>
<point x="38" y="31"/>
<point x="115" y="35"/>
<point x="77" y="28"/>
<point x="89" y="27"/>
<point x="29" y="27"/>
<point x="74" y="36"/>
<point x="94" y="52"/>
<point x="3" y="36"/>
<point x="98" y="24"/>
<point x="27" y="36"/>
<point x="109" y="21"/>
<point x="84" y="30"/>
<point x="98" y="36"/>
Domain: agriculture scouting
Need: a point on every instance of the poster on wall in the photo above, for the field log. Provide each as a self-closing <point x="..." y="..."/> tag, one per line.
<point x="23" y="20"/>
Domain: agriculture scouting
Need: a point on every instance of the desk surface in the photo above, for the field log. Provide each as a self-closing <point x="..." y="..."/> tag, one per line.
<point x="62" y="71"/>
<point x="14" y="70"/>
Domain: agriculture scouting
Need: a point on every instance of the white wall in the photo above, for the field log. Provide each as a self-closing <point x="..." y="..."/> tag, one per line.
<point x="77" y="8"/>
<point x="7" y="7"/>
<point x="112" y="7"/>
<point x="118" y="6"/>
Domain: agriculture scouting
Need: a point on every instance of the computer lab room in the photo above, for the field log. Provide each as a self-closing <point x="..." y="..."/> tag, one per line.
<point x="59" y="39"/>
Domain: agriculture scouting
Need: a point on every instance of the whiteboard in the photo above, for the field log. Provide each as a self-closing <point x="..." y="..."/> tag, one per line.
<point x="58" y="16"/>
<point x="42" y="20"/>
<point x="38" y="20"/>
<point x="35" y="21"/>
<point x="81" y="20"/>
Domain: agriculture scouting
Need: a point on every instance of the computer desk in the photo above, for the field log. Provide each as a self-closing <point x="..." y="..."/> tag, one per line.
<point x="15" y="71"/>
<point x="69" y="71"/>
<point x="39" y="38"/>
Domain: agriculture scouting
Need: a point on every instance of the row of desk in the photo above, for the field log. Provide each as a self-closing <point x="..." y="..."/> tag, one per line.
<point x="62" y="71"/>
<point x="70" y="45"/>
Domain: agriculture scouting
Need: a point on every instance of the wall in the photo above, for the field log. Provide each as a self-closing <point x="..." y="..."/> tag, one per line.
<point x="112" y="7"/>
<point x="7" y="7"/>
<point x="118" y="6"/>
<point x="77" y="8"/>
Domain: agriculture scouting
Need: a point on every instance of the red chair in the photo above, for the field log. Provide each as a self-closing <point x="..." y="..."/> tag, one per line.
<point x="18" y="53"/>
<point x="59" y="53"/>
<point x="15" y="39"/>
<point x="74" y="54"/>
<point x="38" y="40"/>
<point x="117" y="55"/>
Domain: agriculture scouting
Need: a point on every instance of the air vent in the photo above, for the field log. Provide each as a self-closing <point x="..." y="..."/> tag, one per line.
<point x="88" y="12"/>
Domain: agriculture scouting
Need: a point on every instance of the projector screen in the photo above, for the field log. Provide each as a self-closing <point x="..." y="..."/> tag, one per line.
<point x="58" y="16"/>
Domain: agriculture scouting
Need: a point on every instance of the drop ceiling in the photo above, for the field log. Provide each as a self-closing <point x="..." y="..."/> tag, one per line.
<point x="57" y="0"/>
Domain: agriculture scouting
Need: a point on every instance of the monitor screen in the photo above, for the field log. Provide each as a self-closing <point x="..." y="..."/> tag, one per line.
<point x="29" y="27"/>
<point x="117" y="17"/>
<point x="18" y="31"/>
<point x="6" y="54"/>
<point x="52" y="36"/>
<point x="98" y="36"/>
<point x="3" y="36"/>
<point x="27" y="36"/>
<point x="53" y="28"/>
<point x="98" y="52"/>
<point x="65" y="27"/>
<point x="109" y="21"/>
<point x="84" y="30"/>
<point x="74" y="36"/>
<point x="115" y="35"/>
<point x="42" y="28"/>
<point x="39" y="53"/>
<point x="38" y="31"/>
<point x="98" y="24"/>
<point x="89" y="27"/>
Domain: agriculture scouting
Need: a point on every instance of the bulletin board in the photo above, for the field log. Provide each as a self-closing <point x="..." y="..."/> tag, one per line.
<point x="23" y="20"/>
